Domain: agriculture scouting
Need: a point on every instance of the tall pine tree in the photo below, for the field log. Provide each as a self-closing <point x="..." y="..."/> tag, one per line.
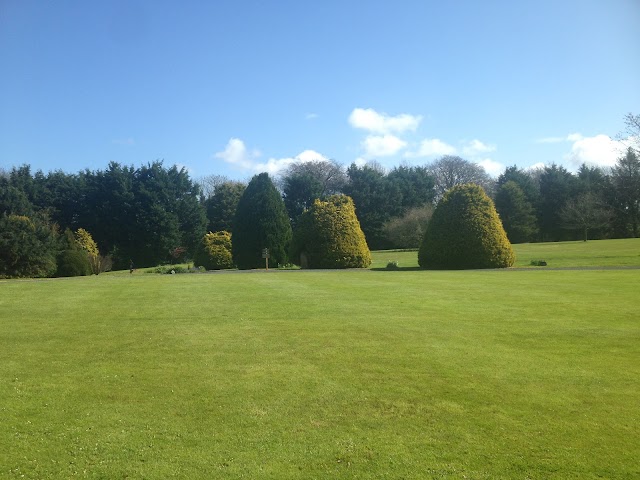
<point x="261" y="221"/>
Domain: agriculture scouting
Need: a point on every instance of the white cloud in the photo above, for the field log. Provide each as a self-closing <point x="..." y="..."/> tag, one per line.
<point x="360" y="162"/>
<point x="431" y="147"/>
<point x="237" y="154"/>
<point x="369" y="119"/>
<point x="382" y="145"/>
<point x="492" y="167"/>
<point x="600" y="150"/>
<point x="476" y="147"/>
<point x="275" y="165"/>
<point x="311" y="116"/>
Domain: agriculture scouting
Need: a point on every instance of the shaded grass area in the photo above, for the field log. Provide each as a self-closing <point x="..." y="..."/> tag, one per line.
<point x="594" y="253"/>
<point x="350" y="374"/>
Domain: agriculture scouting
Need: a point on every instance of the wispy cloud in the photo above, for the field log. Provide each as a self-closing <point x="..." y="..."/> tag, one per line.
<point x="476" y="147"/>
<point x="311" y="116"/>
<point x="236" y="153"/>
<point x="430" y="147"/>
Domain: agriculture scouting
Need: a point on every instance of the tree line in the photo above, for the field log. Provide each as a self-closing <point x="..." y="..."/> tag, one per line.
<point x="154" y="214"/>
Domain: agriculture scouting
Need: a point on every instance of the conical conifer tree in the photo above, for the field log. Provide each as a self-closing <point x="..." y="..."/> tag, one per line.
<point x="465" y="232"/>
<point x="328" y="235"/>
<point x="261" y="221"/>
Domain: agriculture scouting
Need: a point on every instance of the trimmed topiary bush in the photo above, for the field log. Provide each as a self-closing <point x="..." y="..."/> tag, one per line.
<point x="465" y="233"/>
<point x="214" y="251"/>
<point x="328" y="235"/>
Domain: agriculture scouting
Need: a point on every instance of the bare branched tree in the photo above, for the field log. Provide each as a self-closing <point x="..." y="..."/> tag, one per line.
<point x="585" y="212"/>
<point x="449" y="171"/>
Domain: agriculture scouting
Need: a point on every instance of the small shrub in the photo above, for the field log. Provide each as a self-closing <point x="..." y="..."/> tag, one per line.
<point x="73" y="263"/>
<point x="538" y="263"/>
<point x="167" y="270"/>
<point x="392" y="265"/>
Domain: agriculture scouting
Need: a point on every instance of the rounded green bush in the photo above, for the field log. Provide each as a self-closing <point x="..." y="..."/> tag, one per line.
<point x="73" y="263"/>
<point x="465" y="232"/>
<point x="328" y="235"/>
<point x="214" y="251"/>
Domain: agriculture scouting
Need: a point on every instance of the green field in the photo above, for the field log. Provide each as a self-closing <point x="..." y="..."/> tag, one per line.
<point x="524" y="374"/>
<point x="594" y="253"/>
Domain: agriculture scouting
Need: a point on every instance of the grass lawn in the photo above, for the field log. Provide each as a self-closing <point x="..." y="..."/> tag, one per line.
<point x="594" y="253"/>
<point x="301" y="374"/>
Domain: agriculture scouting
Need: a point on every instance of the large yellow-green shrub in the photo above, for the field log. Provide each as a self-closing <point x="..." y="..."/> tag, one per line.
<point x="465" y="232"/>
<point x="328" y="235"/>
<point x="214" y="251"/>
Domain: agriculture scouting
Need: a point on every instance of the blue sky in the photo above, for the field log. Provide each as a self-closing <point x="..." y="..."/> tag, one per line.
<point x="238" y="87"/>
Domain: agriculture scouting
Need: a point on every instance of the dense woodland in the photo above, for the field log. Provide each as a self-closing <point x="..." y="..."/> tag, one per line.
<point x="155" y="214"/>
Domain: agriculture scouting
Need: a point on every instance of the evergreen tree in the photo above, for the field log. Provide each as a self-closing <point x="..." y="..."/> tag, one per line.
<point x="328" y="235"/>
<point x="28" y="246"/>
<point x="376" y="201"/>
<point x="516" y="213"/>
<point x="625" y="177"/>
<point x="222" y="204"/>
<point x="557" y="186"/>
<point x="465" y="232"/>
<point x="261" y="221"/>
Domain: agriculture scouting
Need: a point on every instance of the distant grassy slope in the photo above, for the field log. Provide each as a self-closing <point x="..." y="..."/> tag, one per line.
<point x="594" y="253"/>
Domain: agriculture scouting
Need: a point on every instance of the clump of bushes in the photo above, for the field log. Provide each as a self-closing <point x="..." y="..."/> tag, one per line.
<point x="465" y="232"/>
<point x="214" y="251"/>
<point x="538" y="263"/>
<point x="168" y="269"/>
<point x="392" y="265"/>
<point x="328" y="235"/>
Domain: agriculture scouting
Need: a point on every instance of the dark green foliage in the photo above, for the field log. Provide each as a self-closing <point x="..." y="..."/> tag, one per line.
<point x="376" y="201"/>
<point x="416" y="186"/>
<point x="379" y="197"/>
<point x="214" y="251"/>
<point x="625" y="177"/>
<point x="303" y="182"/>
<point x="328" y="235"/>
<point x="142" y="214"/>
<point x="465" y="233"/>
<point x="13" y="201"/>
<point x="557" y="186"/>
<point x="261" y="221"/>
<point x="73" y="261"/>
<point x="222" y="204"/>
<point x="299" y="192"/>
<point x="524" y="180"/>
<point x="28" y="246"/>
<point x="517" y="214"/>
